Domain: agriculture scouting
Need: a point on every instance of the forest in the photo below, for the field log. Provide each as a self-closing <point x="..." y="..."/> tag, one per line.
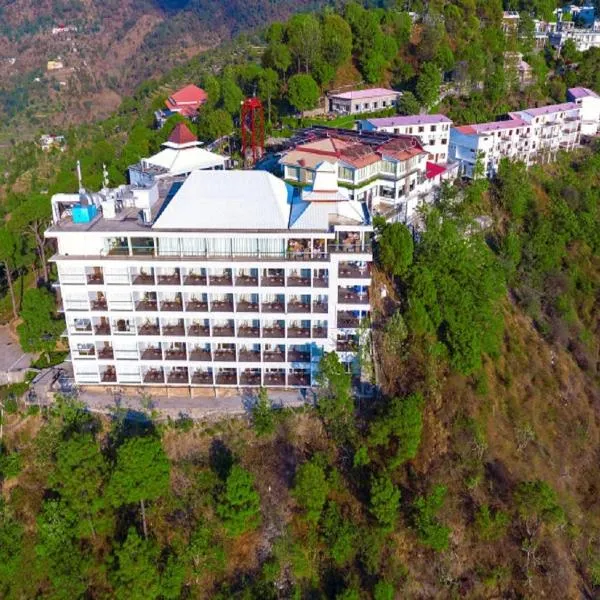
<point x="472" y="473"/>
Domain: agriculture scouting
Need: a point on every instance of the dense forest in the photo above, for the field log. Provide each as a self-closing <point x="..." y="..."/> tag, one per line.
<point x="471" y="474"/>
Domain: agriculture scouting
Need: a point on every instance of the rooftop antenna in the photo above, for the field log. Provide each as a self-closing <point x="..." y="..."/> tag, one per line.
<point x="79" y="178"/>
<point x="105" y="181"/>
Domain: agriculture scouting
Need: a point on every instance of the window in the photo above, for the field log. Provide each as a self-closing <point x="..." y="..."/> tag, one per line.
<point x="409" y="130"/>
<point x="396" y="130"/>
<point x="444" y="140"/>
<point x="387" y="166"/>
<point x="421" y="129"/>
<point x="357" y="107"/>
<point x="345" y="173"/>
<point x="374" y="104"/>
<point x="433" y="128"/>
<point x="383" y="103"/>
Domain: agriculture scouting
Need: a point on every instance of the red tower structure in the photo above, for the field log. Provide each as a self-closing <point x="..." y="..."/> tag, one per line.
<point x="253" y="130"/>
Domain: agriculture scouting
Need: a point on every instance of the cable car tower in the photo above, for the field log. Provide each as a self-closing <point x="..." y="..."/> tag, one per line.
<point x="253" y="130"/>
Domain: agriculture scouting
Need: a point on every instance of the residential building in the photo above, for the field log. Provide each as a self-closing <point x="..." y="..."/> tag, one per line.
<point x="531" y="135"/>
<point x="589" y="102"/>
<point x="385" y="171"/>
<point x="181" y="154"/>
<point x="510" y="22"/>
<point x="232" y="279"/>
<point x="186" y="101"/>
<point x="362" y="101"/>
<point x="432" y="130"/>
<point x="521" y="70"/>
<point x="583" y="37"/>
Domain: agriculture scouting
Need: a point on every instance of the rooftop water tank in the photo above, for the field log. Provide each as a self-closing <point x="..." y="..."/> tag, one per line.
<point x="84" y="214"/>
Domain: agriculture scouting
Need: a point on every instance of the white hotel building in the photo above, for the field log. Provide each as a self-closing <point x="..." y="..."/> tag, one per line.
<point x="231" y="279"/>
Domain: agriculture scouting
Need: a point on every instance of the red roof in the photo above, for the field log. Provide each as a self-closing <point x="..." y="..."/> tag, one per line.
<point x="433" y="170"/>
<point x="181" y="134"/>
<point x="189" y="96"/>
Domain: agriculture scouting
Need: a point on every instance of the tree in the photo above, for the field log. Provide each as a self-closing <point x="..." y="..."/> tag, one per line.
<point x="490" y="526"/>
<point x="304" y="39"/>
<point x="428" y="85"/>
<point x="262" y="414"/>
<point x="231" y="95"/>
<point x="311" y="489"/>
<point x="429" y="530"/>
<point x="39" y="330"/>
<point x="303" y="92"/>
<point x="408" y="104"/>
<point x="8" y="252"/>
<point x="384" y="590"/>
<point x="141" y="474"/>
<point x="79" y="478"/>
<point x="268" y="86"/>
<point x="212" y="87"/>
<point x="537" y="502"/>
<point x="395" y="248"/>
<point x="136" y="575"/>
<point x="277" y="56"/>
<point x="385" y="497"/>
<point x="340" y="535"/>
<point x="239" y="505"/>
<point x="213" y="124"/>
<point x="337" y="40"/>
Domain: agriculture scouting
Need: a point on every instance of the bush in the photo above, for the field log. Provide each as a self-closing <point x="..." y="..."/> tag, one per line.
<point x="491" y="526"/>
<point x="263" y="417"/>
<point x="429" y="530"/>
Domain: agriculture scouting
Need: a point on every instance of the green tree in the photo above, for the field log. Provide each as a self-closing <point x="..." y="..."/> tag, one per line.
<point x="8" y="257"/>
<point x="384" y="590"/>
<point x="537" y="502"/>
<point x="408" y="104"/>
<point x="268" y="86"/>
<point x="337" y="40"/>
<point x="204" y="553"/>
<point x="428" y="85"/>
<point x="231" y="95"/>
<point x="39" y="330"/>
<point x="489" y="525"/>
<point x="340" y="535"/>
<point x="278" y="57"/>
<point x="213" y="124"/>
<point x="239" y="505"/>
<point x="263" y="417"/>
<point x="429" y="529"/>
<point x="385" y="497"/>
<point x="212" y="87"/>
<point x="303" y="92"/>
<point x="12" y="537"/>
<point x="141" y="474"/>
<point x="311" y="489"/>
<point x="395" y="248"/>
<point x="304" y="40"/>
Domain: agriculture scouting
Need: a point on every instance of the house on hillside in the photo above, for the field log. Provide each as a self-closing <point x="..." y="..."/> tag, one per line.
<point x="186" y="102"/>
<point x="589" y="102"/>
<point x="362" y="101"/>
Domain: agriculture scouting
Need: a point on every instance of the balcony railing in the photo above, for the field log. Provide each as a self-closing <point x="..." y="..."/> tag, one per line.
<point x="249" y="356"/>
<point x="298" y="307"/>
<point x="99" y="304"/>
<point x="202" y="378"/>
<point x="200" y="355"/>
<point x="146" y="305"/>
<point x="298" y="281"/>
<point x="106" y="353"/>
<point x="319" y="332"/>
<point x="273" y="332"/>
<point x="320" y="282"/>
<point x="198" y="330"/>
<point x="152" y="354"/>
<point x="245" y="306"/>
<point x="173" y="279"/>
<point x="347" y="346"/>
<point x="196" y="306"/>
<point x="178" y="377"/>
<point x="352" y="248"/>
<point x="272" y="281"/>
<point x="274" y="356"/>
<point x="226" y="379"/>
<point x="175" y="354"/>
<point x="250" y="379"/>
<point x="246" y="280"/>
<point x="248" y="332"/>
<point x="223" y="331"/>
<point x="274" y="379"/>
<point x="299" y="379"/>
<point x="194" y="279"/>
<point x="95" y="278"/>
<point x="221" y="306"/>
<point x="220" y="280"/>
<point x="154" y="376"/>
<point x="143" y="279"/>
<point x="149" y="329"/>
<point x="350" y="297"/>
<point x="298" y="332"/>
<point x="320" y="307"/>
<point x="353" y="272"/>
<point x="173" y="330"/>
<point x="225" y="355"/>
<point x="102" y="329"/>
<point x="171" y="305"/>
<point x="297" y="356"/>
<point x="109" y="376"/>
<point x="273" y="307"/>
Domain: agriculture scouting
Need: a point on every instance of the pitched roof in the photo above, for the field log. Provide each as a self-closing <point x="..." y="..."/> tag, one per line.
<point x="368" y="93"/>
<point x="581" y="92"/>
<point x="189" y="94"/>
<point x="409" y="120"/>
<point x="552" y="108"/>
<point x="181" y="134"/>
<point x="433" y="170"/>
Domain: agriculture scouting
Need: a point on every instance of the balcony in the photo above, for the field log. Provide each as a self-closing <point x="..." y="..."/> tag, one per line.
<point x="99" y="304"/>
<point x="320" y="307"/>
<point x="170" y="279"/>
<point x="95" y="278"/>
<point x="319" y="332"/>
<point x="272" y="281"/>
<point x="298" y="356"/>
<point x="246" y="280"/>
<point x="250" y="378"/>
<point x="274" y="332"/>
<point x="178" y="376"/>
<point x="274" y="379"/>
<point x="249" y="356"/>
<point x="298" y="307"/>
<point x="198" y="330"/>
<point x="353" y="272"/>
<point x="245" y="306"/>
<point x="178" y="329"/>
<point x="109" y="375"/>
<point x="194" y="279"/>
<point x="149" y="329"/>
<point x="143" y="279"/>
<point x="273" y="307"/>
<point x="298" y="281"/>
<point x="350" y="248"/>
<point x="247" y="331"/>
<point x="146" y="305"/>
<point x="171" y="305"/>
<point x="221" y="306"/>
<point x="152" y="354"/>
<point x="225" y="354"/>
<point x="226" y="378"/>
<point x="102" y="329"/>
<point x="274" y="356"/>
<point x="351" y="297"/>
<point x="196" y="306"/>
<point x="347" y="320"/>
<point x="298" y="332"/>
<point x="320" y="282"/>
<point x="106" y="352"/>
<point x="302" y="379"/>
<point x="154" y="376"/>
<point x="200" y="355"/>
<point x="202" y="378"/>
<point x="175" y="354"/>
<point x="225" y="279"/>
<point x="223" y="331"/>
<point x="347" y="345"/>
<point x="87" y="328"/>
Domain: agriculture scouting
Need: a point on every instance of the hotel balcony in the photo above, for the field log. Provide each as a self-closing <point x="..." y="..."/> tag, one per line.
<point x="202" y="377"/>
<point x="347" y="320"/>
<point x="320" y="281"/>
<point x="225" y="354"/>
<point x="193" y="278"/>
<point x="274" y="355"/>
<point x="346" y="296"/>
<point x="102" y="327"/>
<point x="106" y="352"/>
<point x="221" y="279"/>
<point x="152" y="353"/>
<point x="227" y="377"/>
<point x="81" y="327"/>
<point x="108" y="375"/>
<point x="143" y="277"/>
<point x="298" y="306"/>
<point x="154" y="376"/>
<point x="147" y="304"/>
<point x="198" y="330"/>
<point x="274" y="278"/>
<point x="221" y="305"/>
<point x="352" y="271"/>
<point x="149" y="328"/>
<point x="297" y="280"/>
<point x="246" y="306"/>
<point x="250" y="377"/>
<point x="99" y="303"/>
<point x="196" y="305"/>
<point x="298" y="355"/>
<point x="200" y="354"/>
<point x="275" y="377"/>
<point x="223" y="330"/>
<point x="173" y="278"/>
<point x="178" y="375"/>
<point x="299" y="378"/>
<point x="176" y="352"/>
<point x="177" y="329"/>
<point x="296" y="331"/>
<point x="246" y="355"/>
<point x="248" y="331"/>
<point x="174" y="304"/>
<point x="274" y="331"/>
<point x="320" y="307"/>
<point x="347" y="345"/>
<point x="273" y="307"/>
<point x="246" y="280"/>
<point x="319" y="331"/>
<point x="95" y="276"/>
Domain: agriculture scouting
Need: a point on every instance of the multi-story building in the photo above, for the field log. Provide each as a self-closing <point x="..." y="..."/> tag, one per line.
<point x="589" y="102"/>
<point x="432" y="130"/>
<point x="531" y="135"/>
<point x="230" y="280"/>
<point x="362" y="101"/>
<point x="386" y="171"/>
<point x="584" y="38"/>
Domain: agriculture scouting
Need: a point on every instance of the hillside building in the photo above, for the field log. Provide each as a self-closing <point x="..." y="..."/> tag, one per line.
<point x="180" y="156"/>
<point x="362" y="101"/>
<point x="232" y="279"/>
<point x="186" y="101"/>
<point x="589" y="102"/>
<point x="584" y="38"/>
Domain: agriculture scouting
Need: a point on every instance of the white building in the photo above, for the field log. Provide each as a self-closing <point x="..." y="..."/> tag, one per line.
<point x="180" y="155"/>
<point x="589" y="102"/>
<point x="233" y="280"/>
<point x="531" y="135"/>
<point x="362" y="101"/>
<point x="583" y="37"/>
<point x="432" y="130"/>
